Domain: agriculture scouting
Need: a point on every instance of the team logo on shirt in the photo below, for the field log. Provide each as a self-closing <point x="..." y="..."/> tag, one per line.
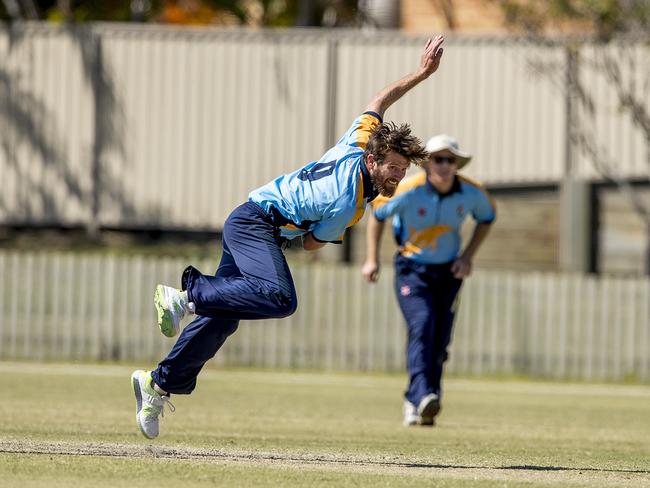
<point x="460" y="210"/>
<point x="405" y="290"/>
<point x="422" y="211"/>
<point x="417" y="240"/>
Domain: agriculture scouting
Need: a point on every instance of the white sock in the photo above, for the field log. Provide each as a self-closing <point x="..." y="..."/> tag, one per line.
<point x="189" y="306"/>
<point x="159" y="389"/>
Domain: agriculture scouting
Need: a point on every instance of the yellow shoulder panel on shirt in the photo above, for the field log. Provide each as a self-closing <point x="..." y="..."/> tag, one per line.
<point x="418" y="179"/>
<point x="367" y="124"/>
<point x="359" y="204"/>
<point x="478" y="185"/>
<point x="470" y="181"/>
<point x="405" y="185"/>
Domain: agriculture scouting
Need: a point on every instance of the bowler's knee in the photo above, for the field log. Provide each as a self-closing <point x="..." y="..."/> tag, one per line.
<point x="287" y="305"/>
<point x="230" y="328"/>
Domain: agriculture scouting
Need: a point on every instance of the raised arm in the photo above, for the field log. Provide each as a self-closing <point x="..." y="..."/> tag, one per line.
<point x="429" y="62"/>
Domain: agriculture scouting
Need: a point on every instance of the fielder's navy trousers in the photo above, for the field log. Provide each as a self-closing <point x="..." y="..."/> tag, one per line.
<point x="426" y="294"/>
<point x="253" y="282"/>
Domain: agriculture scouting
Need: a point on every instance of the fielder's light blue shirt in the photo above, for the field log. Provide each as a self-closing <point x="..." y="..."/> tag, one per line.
<point x="426" y="223"/>
<point x="326" y="196"/>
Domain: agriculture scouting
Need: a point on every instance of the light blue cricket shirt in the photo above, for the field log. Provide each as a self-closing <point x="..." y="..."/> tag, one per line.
<point x="327" y="196"/>
<point x="426" y="223"/>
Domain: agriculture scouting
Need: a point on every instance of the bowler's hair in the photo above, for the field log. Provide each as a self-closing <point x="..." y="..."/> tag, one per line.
<point x="391" y="137"/>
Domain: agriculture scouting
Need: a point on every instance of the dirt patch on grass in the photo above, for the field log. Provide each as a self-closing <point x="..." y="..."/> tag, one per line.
<point x="390" y="466"/>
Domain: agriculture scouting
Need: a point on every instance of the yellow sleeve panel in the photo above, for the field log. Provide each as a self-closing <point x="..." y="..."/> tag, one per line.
<point x="405" y="185"/>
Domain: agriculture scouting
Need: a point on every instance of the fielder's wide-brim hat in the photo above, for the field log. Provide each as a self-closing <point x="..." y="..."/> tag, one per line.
<point x="443" y="142"/>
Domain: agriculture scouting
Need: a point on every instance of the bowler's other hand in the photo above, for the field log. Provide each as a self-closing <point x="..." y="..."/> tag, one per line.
<point x="431" y="55"/>
<point x="461" y="268"/>
<point x="370" y="271"/>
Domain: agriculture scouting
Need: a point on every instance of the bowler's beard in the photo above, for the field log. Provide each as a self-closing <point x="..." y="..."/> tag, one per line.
<point x="383" y="189"/>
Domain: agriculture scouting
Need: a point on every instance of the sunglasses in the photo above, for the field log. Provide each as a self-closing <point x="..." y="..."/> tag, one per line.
<point x="444" y="159"/>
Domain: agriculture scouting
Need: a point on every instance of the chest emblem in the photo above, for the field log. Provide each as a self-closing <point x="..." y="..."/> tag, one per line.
<point x="405" y="290"/>
<point x="460" y="210"/>
<point x="422" y="211"/>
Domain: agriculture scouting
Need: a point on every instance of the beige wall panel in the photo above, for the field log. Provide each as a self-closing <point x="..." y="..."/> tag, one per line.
<point x="191" y="120"/>
<point x="526" y="234"/>
<point x="484" y="93"/>
<point x="621" y="143"/>
<point x="47" y="127"/>
<point x="622" y="236"/>
<point x="207" y="117"/>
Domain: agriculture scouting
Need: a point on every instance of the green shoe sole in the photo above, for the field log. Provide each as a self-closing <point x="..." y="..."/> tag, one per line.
<point x="165" y="321"/>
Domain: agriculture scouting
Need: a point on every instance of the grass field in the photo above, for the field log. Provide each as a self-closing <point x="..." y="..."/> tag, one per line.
<point x="73" y="426"/>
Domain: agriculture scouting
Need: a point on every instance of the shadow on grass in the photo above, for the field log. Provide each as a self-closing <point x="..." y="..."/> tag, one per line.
<point x="565" y="468"/>
<point x="161" y="452"/>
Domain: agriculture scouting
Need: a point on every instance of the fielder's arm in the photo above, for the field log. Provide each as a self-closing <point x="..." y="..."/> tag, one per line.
<point x="429" y="62"/>
<point x="462" y="267"/>
<point x="374" y="231"/>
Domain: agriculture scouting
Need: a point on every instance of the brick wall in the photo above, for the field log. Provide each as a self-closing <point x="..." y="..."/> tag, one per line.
<point x="471" y="16"/>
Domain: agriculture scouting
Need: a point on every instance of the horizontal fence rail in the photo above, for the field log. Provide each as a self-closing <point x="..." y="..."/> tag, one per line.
<point x="58" y="306"/>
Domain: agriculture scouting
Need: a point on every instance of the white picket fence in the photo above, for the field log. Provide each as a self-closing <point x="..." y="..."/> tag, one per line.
<point x="60" y="306"/>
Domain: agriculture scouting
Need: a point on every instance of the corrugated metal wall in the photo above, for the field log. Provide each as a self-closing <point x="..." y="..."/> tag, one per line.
<point x="484" y="94"/>
<point x="147" y="126"/>
<point x="205" y="117"/>
<point x="47" y="126"/>
<point x="611" y="74"/>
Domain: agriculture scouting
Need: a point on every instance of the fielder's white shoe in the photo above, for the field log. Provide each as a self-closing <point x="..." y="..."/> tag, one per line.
<point x="428" y="408"/>
<point x="171" y="306"/>
<point x="411" y="416"/>
<point x="149" y="403"/>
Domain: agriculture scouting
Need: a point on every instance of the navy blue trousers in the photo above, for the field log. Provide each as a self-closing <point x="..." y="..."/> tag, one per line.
<point x="253" y="281"/>
<point x="427" y="296"/>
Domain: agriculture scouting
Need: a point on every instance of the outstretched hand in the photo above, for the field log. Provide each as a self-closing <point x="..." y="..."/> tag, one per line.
<point x="432" y="54"/>
<point x="428" y="65"/>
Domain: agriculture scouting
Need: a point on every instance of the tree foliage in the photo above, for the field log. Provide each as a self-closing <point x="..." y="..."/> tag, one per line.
<point x="264" y="13"/>
<point x="603" y="18"/>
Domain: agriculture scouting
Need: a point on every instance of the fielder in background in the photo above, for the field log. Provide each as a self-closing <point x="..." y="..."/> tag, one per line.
<point x="318" y="203"/>
<point x="428" y="210"/>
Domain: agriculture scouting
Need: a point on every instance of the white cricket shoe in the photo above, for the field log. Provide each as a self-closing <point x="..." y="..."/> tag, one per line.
<point x="149" y="403"/>
<point x="411" y="416"/>
<point x="428" y="408"/>
<point x="171" y="306"/>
